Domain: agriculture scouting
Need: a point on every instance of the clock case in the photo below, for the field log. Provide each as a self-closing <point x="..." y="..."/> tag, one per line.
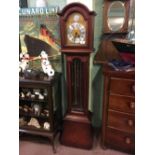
<point x="77" y="128"/>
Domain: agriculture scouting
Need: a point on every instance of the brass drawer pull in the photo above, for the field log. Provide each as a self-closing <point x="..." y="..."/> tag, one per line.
<point x="130" y="122"/>
<point x="128" y="140"/>
<point x="132" y="105"/>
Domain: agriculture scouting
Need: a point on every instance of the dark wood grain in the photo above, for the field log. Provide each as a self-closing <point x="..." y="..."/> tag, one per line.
<point x="122" y="86"/>
<point x="123" y="141"/>
<point x="122" y="103"/>
<point x="106" y="52"/>
<point x="77" y="130"/>
<point x="121" y="121"/>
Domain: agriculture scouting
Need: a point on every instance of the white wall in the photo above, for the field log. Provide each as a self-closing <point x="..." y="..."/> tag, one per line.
<point x="88" y="3"/>
<point x="60" y="3"/>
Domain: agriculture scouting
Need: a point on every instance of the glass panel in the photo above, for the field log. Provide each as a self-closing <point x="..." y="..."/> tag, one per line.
<point x="116" y="16"/>
<point x="77" y="85"/>
<point x="76" y="29"/>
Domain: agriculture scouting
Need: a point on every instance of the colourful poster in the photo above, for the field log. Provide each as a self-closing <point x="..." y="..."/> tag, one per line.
<point x="39" y="31"/>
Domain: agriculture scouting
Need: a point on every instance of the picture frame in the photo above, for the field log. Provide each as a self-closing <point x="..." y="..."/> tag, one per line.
<point x="39" y="31"/>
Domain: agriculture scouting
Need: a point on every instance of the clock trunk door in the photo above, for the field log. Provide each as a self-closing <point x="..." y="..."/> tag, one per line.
<point x="77" y="69"/>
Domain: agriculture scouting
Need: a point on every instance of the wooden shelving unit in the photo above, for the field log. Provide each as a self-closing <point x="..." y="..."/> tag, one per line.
<point x="49" y="108"/>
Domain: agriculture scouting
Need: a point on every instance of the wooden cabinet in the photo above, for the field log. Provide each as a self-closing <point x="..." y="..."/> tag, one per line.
<point x="40" y="106"/>
<point x="118" y="124"/>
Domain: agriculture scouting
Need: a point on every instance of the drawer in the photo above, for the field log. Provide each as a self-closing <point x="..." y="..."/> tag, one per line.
<point x="120" y="140"/>
<point x="121" y="121"/>
<point x="122" y="103"/>
<point x="122" y="86"/>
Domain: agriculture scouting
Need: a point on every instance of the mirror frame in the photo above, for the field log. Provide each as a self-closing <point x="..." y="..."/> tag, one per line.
<point x="107" y="4"/>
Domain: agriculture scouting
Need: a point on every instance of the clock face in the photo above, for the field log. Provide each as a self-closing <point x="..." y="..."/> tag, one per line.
<point x="76" y="30"/>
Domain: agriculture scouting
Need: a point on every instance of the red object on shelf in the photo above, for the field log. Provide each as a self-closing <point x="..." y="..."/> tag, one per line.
<point x="129" y="57"/>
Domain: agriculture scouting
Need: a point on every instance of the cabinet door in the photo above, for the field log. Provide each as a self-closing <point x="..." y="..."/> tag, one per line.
<point x="77" y="79"/>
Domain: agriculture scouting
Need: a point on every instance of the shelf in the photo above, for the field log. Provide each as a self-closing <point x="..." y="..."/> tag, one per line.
<point x="30" y="106"/>
<point x="39" y="82"/>
<point x="32" y="100"/>
<point x="124" y="41"/>
<point x="35" y="131"/>
<point x="29" y="114"/>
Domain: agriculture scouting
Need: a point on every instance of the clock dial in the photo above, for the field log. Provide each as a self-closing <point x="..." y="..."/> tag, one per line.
<point x="76" y="30"/>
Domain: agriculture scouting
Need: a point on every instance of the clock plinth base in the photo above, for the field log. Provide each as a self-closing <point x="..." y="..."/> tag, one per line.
<point x="77" y="132"/>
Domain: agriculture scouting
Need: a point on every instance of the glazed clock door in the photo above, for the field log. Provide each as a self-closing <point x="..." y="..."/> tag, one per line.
<point x="77" y="79"/>
<point x="76" y="27"/>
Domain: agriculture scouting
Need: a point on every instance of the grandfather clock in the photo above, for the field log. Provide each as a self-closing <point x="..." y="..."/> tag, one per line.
<point x="77" y="32"/>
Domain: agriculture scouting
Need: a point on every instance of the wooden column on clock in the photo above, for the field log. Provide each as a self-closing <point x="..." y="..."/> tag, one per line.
<point x="77" y="31"/>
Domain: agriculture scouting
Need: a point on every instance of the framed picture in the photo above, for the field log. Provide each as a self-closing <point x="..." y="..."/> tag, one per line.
<point x="39" y="31"/>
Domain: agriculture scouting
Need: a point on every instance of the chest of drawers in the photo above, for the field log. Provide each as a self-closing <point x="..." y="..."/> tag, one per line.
<point x="118" y="119"/>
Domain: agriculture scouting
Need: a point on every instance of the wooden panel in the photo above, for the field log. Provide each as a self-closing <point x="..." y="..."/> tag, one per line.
<point x="106" y="52"/>
<point x="122" y="103"/>
<point x="110" y="47"/>
<point x="121" y="121"/>
<point x="77" y="133"/>
<point x="120" y="140"/>
<point x="122" y="86"/>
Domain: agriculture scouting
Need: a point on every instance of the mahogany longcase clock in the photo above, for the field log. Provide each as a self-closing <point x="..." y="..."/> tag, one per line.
<point x="77" y="33"/>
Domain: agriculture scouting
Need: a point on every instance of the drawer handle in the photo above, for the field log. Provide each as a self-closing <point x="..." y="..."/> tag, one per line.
<point x="128" y="140"/>
<point x="130" y="122"/>
<point x="132" y="105"/>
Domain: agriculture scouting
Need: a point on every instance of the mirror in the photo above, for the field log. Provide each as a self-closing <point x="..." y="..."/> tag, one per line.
<point x="116" y="16"/>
